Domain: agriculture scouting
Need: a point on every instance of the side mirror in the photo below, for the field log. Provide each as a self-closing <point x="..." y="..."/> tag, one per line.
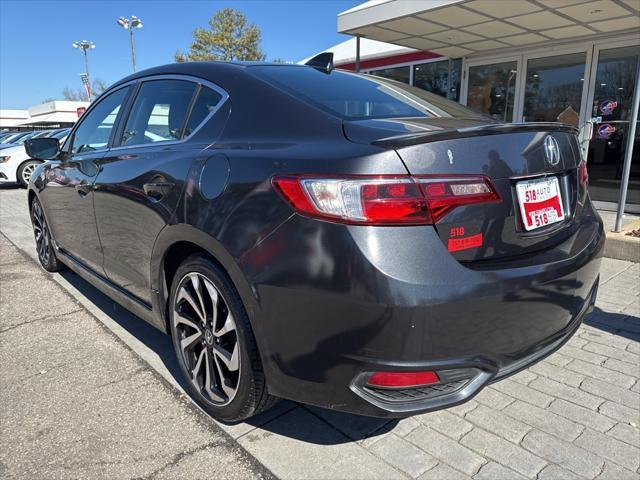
<point x="42" y="148"/>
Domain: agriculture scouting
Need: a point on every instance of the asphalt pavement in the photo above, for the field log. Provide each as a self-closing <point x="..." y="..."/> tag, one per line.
<point x="76" y="402"/>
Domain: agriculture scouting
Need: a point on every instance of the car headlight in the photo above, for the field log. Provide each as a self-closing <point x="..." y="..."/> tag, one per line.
<point x="4" y="159"/>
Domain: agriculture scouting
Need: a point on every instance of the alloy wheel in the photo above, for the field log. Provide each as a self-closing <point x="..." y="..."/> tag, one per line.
<point x="208" y="338"/>
<point x="27" y="171"/>
<point x="41" y="232"/>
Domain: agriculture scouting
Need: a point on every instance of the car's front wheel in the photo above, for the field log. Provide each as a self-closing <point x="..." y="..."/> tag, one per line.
<point x="25" y="170"/>
<point x="44" y="242"/>
<point x="214" y="342"/>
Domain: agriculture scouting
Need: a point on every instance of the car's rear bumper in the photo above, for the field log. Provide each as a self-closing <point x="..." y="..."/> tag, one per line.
<point x="470" y="375"/>
<point x="339" y="302"/>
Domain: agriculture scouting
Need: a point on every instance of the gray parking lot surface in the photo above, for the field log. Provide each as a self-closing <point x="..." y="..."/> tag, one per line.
<point x="78" y="403"/>
<point x="574" y="415"/>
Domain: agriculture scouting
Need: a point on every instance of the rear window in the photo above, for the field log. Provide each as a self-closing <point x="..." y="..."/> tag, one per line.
<point x="358" y="97"/>
<point x="206" y="103"/>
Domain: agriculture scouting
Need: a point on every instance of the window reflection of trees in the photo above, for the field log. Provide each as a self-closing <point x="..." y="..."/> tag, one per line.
<point x="615" y="80"/>
<point x="492" y="89"/>
<point x="553" y="89"/>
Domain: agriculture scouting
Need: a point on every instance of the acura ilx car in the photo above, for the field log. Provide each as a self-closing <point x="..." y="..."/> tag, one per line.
<point x="332" y="238"/>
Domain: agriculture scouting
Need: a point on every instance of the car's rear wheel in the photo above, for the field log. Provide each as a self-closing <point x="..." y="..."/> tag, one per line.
<point x="214" y="342"/>
<point x="44" y="241"/>
<point x="25" y="170"/>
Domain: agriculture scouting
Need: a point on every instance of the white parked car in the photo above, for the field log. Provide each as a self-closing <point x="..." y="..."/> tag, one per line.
<point x="15" y="164"/>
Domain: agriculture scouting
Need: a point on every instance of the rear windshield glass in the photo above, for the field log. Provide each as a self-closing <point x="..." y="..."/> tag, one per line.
<point x="358" y="97"/>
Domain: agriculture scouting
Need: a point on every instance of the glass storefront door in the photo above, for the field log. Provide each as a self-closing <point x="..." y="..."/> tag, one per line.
<point x="553" y="88"/>
<point x="491" y="89"/>
<point x="611" y="111"/>
<point x="595" y="83"/>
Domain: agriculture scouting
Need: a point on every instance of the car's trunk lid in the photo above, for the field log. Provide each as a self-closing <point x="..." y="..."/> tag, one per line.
<point x="506" y="154"/>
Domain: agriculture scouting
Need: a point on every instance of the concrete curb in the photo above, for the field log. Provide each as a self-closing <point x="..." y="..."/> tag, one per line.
<point x="621" y="246"/>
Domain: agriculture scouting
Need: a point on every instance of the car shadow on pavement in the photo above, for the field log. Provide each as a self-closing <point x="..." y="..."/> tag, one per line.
<point x="336" y="427"/>
<point x="309" y="424"/>
<point x="621" y="324"/>
<point x="150" y="336"/>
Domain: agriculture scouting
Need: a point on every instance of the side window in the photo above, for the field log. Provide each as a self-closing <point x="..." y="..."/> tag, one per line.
<point x="206" y="103"/>
<point x="159" y="112"/>
<point x="94" y="131"/>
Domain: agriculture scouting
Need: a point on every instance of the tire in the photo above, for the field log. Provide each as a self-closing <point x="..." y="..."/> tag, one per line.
<point x="218" y="355"/>
<point x="25" y="170"/>
<point x="44" y="241"/>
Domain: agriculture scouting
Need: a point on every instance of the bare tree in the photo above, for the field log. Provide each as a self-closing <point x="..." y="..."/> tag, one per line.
<point x="80" y="94"/>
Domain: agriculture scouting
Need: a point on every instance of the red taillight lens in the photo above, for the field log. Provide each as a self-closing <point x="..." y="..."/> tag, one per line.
<point x="445" y="194"/>
<point x="583" y="174"/>
<point x="291" y="189"/>
<point x="393" y="203"/>
<point x="401" y="200"/>
<point x="402" y="379"/>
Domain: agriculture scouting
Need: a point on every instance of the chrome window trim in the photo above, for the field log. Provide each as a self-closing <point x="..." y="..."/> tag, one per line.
<point x="198" y="81"/>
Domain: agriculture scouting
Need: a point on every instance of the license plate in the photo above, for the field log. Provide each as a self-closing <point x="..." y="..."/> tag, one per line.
<point x="540" y="202"/>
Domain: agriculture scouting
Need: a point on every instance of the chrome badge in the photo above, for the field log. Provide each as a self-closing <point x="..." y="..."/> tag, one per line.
<point x="551" y="151"/>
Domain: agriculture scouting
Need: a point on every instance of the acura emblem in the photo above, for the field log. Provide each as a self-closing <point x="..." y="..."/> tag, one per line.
<point x="551" y="151"/>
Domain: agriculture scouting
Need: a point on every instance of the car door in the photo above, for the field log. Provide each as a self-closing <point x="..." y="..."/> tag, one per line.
<point x="141" y="180"/>
<point x="68" y="183"/>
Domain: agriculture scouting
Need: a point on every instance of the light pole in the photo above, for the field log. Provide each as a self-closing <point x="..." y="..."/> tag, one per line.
<point x="85" y="45"/>
<point x="131" y="24"/>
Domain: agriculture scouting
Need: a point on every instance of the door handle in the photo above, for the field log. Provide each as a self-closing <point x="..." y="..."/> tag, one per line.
<point x="83" y="189"/>
<point x="157" y="190"/>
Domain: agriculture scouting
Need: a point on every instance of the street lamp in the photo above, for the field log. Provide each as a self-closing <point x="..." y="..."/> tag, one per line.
<point x="85" y="45"/>
<point x="130" y="24"/>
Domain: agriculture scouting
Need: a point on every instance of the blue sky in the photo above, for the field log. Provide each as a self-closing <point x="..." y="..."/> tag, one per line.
<point x="37" y="60"/>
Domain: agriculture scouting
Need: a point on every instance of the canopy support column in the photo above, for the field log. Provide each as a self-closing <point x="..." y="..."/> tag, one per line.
<point x="626" y="169"/>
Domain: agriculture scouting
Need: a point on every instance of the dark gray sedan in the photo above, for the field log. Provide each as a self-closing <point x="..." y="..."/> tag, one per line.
<point x="332" y="238"/>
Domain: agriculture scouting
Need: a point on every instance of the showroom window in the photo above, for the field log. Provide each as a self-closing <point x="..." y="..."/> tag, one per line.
<point x="441" y="77"/>
<point x="492" y="88"/>
<point x="401" y="74"/>
<point x="553" y="90"/>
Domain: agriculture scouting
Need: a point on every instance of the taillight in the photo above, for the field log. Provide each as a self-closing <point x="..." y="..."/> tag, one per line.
<point x="583" y="174"/>
<point x="376" y="200"/>
<point x="446" y="193"/>
<point x="402" y="379"/>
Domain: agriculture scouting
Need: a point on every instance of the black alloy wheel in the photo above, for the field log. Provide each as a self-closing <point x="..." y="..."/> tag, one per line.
<point x="214" y="343"/>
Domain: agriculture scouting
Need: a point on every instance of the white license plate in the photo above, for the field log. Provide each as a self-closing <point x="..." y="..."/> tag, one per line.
<point x="540" y="202"/>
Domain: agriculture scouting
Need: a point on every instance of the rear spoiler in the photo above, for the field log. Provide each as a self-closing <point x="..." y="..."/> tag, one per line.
<point x="406" y="140"/>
